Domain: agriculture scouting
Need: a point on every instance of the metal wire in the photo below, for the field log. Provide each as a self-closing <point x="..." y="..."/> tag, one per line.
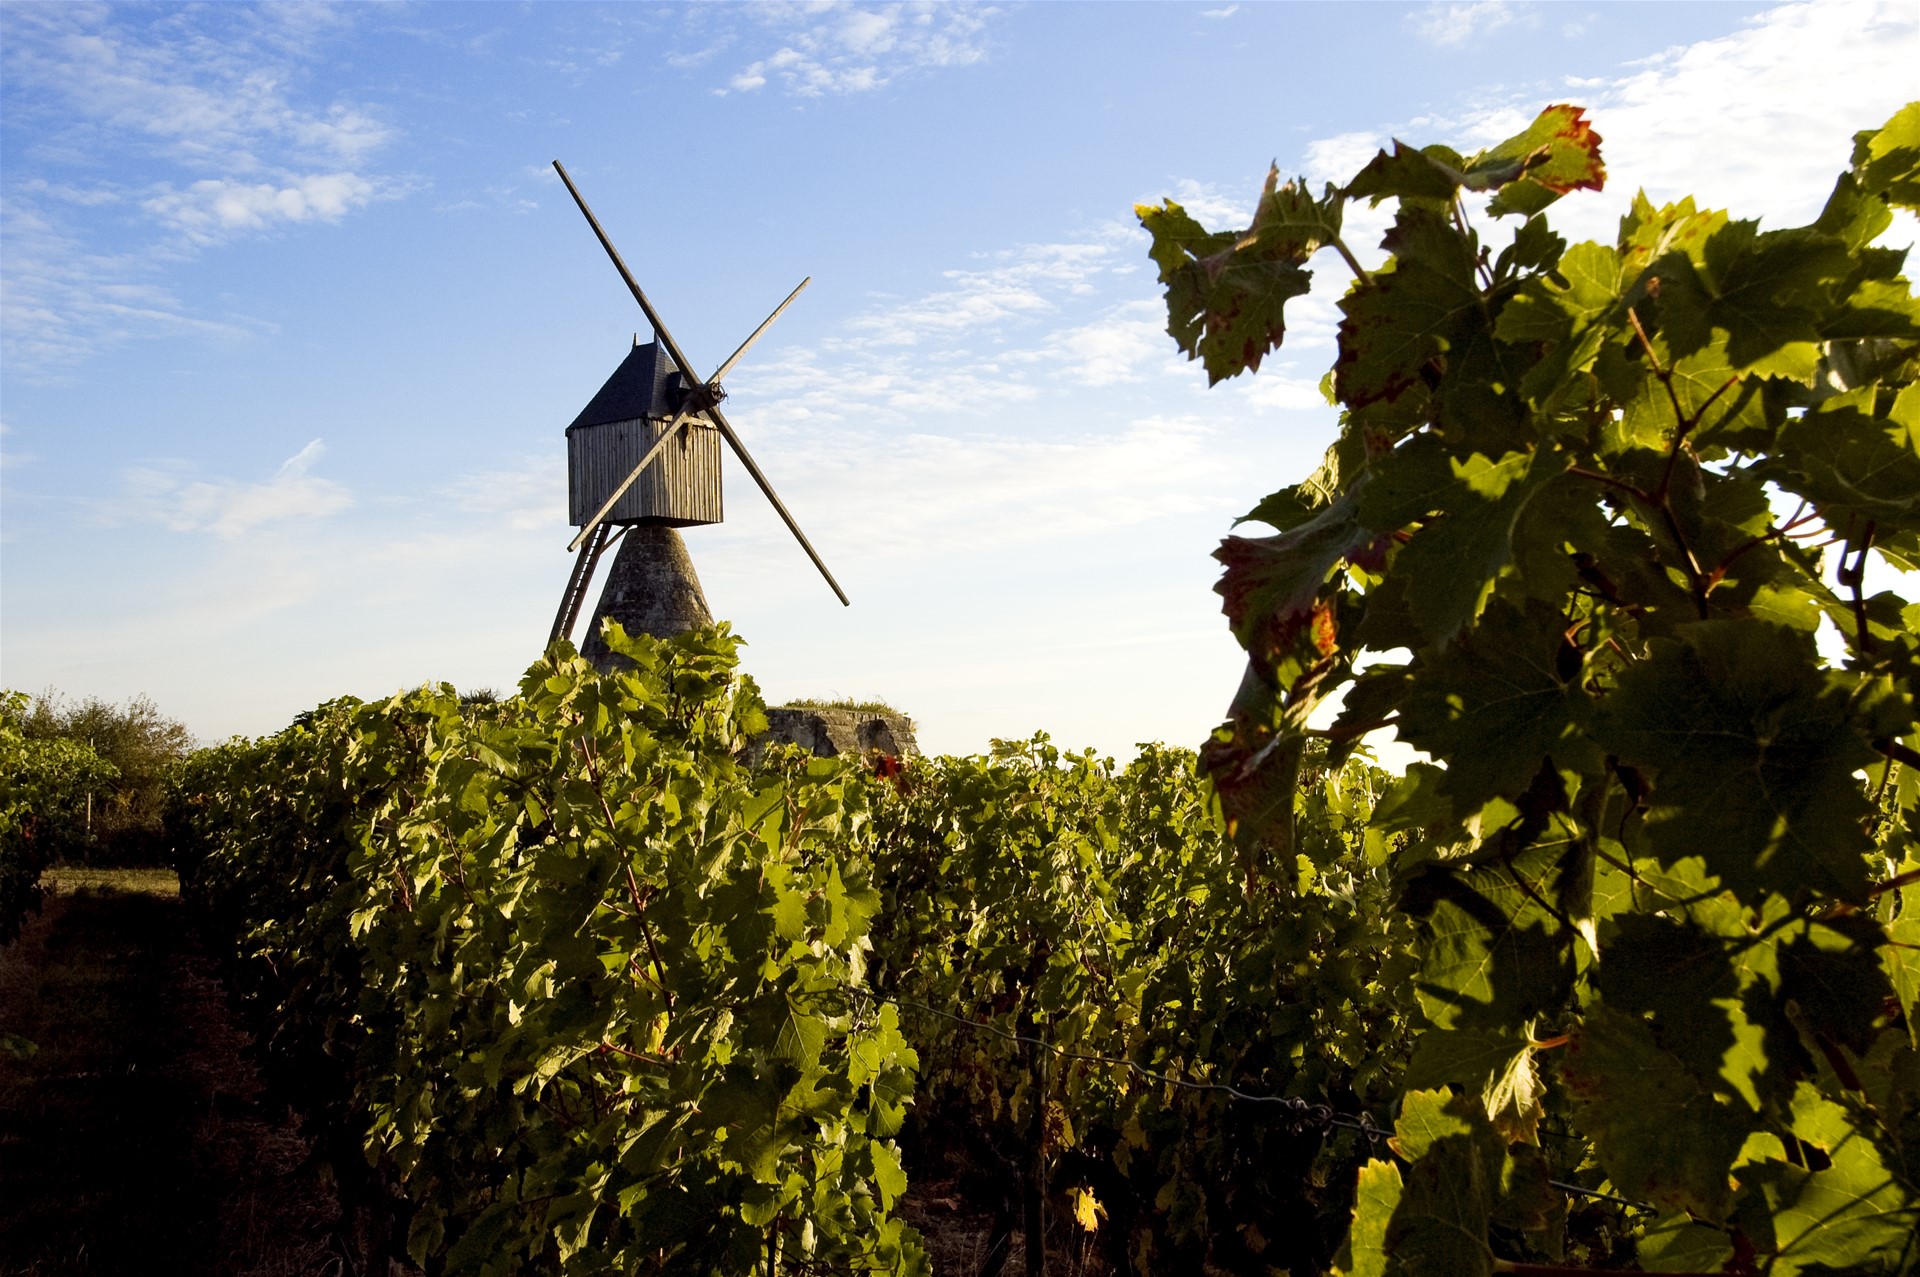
<point x="1302" y="1115"/>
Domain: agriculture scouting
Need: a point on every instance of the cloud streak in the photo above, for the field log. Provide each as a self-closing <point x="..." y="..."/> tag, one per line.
<point x="227" y="507"/>
<point x="1452" y="25"/>
<point x="839" y="49"/>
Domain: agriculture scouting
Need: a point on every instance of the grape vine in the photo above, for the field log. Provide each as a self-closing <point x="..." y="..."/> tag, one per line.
<point x="1599" y="534"/>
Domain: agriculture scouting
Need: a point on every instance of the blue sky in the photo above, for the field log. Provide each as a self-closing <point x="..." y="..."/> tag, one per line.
<point x="296" y="315"/>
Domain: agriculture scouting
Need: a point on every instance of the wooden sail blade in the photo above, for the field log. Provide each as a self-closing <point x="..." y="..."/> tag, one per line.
<point x="740" y="450"/>
<point x="765" y="324"/>
<point x="633" y="286"/>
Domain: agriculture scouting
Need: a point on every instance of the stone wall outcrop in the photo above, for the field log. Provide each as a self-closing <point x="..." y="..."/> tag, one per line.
<point x="828" y="733"/>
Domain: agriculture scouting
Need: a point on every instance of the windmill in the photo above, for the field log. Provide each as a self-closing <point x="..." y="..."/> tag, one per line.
<point x="643" y="459"/>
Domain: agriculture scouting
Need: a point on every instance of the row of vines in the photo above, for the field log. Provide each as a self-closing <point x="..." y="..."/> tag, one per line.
<point x="561" y="986"/>
<point x="1625" y="978"/>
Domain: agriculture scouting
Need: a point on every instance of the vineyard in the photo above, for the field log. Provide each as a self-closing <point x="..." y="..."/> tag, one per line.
<point x="1624" y="979"/>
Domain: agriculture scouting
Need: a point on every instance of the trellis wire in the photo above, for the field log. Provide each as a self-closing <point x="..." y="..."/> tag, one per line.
<point x="1302" y="1115"/>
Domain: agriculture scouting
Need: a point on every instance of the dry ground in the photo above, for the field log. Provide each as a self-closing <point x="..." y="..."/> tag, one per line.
<point x="135" y="1138"/>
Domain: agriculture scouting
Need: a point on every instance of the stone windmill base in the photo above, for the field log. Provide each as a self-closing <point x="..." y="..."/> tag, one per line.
<point x="652" y="589"/>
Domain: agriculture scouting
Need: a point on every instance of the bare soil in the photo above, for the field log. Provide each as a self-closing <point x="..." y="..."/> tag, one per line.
<point x="136" y="1137"/>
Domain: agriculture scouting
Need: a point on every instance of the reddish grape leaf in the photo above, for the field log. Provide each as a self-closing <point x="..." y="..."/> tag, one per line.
<point x="1271" y="583"/>
<point x="1559" y="152"/>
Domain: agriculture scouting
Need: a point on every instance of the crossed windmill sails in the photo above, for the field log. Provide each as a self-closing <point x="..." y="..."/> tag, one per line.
<point x="702" y="401"/>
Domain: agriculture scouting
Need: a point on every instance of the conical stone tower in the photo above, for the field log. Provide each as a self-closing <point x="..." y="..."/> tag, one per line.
<point x="652" y="589"/>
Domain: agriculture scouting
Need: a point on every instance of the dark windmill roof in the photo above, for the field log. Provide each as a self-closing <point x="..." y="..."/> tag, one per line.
<point x="646" y="384"/>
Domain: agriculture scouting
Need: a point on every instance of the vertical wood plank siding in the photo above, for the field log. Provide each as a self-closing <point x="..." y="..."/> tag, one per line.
<point x="680" y="488"/>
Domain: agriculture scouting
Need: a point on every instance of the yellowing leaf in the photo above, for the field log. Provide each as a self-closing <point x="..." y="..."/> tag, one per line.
<point x="1087" y="1211"/>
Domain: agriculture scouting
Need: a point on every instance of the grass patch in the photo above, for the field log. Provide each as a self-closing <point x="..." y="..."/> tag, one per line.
<point x="77" y="880"/>
<point x="843" y="702"/>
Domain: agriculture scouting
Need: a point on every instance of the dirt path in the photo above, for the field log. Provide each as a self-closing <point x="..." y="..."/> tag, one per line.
<point x="135" y="1138"/>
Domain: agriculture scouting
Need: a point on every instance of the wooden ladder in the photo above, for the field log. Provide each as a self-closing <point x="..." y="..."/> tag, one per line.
<point x="587" y="559"/>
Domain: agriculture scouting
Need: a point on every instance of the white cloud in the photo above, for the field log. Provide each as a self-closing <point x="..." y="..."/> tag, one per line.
<point x="526" y="495"/>
<point x="1273" y="388"/>
<point x="1336" y="159"/>
<point x="838" y="48"/>
<point x="1128" y="343"/>
<point x="214" y="208"/>
<point x="1227" y="12"/>
<point x="1758" y="122"/>
<point x="229" y="507"/>
<point x="205" y="89"/>
<point x="1452" y="25"/>
<point x="1210" y="205"/>
<point x="947" y="494"/>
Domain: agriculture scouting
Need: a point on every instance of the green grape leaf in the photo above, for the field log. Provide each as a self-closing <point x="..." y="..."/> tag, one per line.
<point x="1497" y="702"/>
<point x="1466" y="510"/>
<point x="1832" y="970"/>
<point x="1852" y="462"/>
<point x="1658" y="1132"/>
<point x="1886" y="161"/>
<point x="1407" y="173"/>
<point x="1752" y="749"/>
<point x="1678" y="1244"/>
<point x="1901" y="960"/>
<point x="1289" y="224"/>
<point x="1576" y="309"/>
<point x="1376" y="1199"/>
<point x="1271" y="583"/>
<point x="1394" y="324"/>
<point x="888" y="1176"/>
<point x="1227" y="293"/>
<point x="1494" y="955"/>
<point x="1766" y="291"/>
<point x="1559" y="152"/>
<point x="1496" y="1065"/>
<point x="1854" y="1215"/>
<point x="1711" y="996"/>
<point x="1451" y="1185"/>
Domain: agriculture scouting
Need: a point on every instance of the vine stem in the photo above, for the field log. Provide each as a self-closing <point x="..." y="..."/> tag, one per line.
<point x="1353" y="263"/>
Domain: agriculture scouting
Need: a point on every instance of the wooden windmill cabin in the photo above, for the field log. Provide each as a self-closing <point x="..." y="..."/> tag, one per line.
<point x="643" y="460"/>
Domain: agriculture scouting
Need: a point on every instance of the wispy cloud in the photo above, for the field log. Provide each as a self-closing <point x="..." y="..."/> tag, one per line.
<point x="839" y="48"/>
<point x="1012" y="327"/>
<point x="1010" y="285"/>
<point x="947" y="493"/>
<point x="168" y="132"/>
<point x="1227" y="12"/>
<point x="1452" y="25"/>
<point x="169" y="496"/>
<point x="529" y="494"/>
